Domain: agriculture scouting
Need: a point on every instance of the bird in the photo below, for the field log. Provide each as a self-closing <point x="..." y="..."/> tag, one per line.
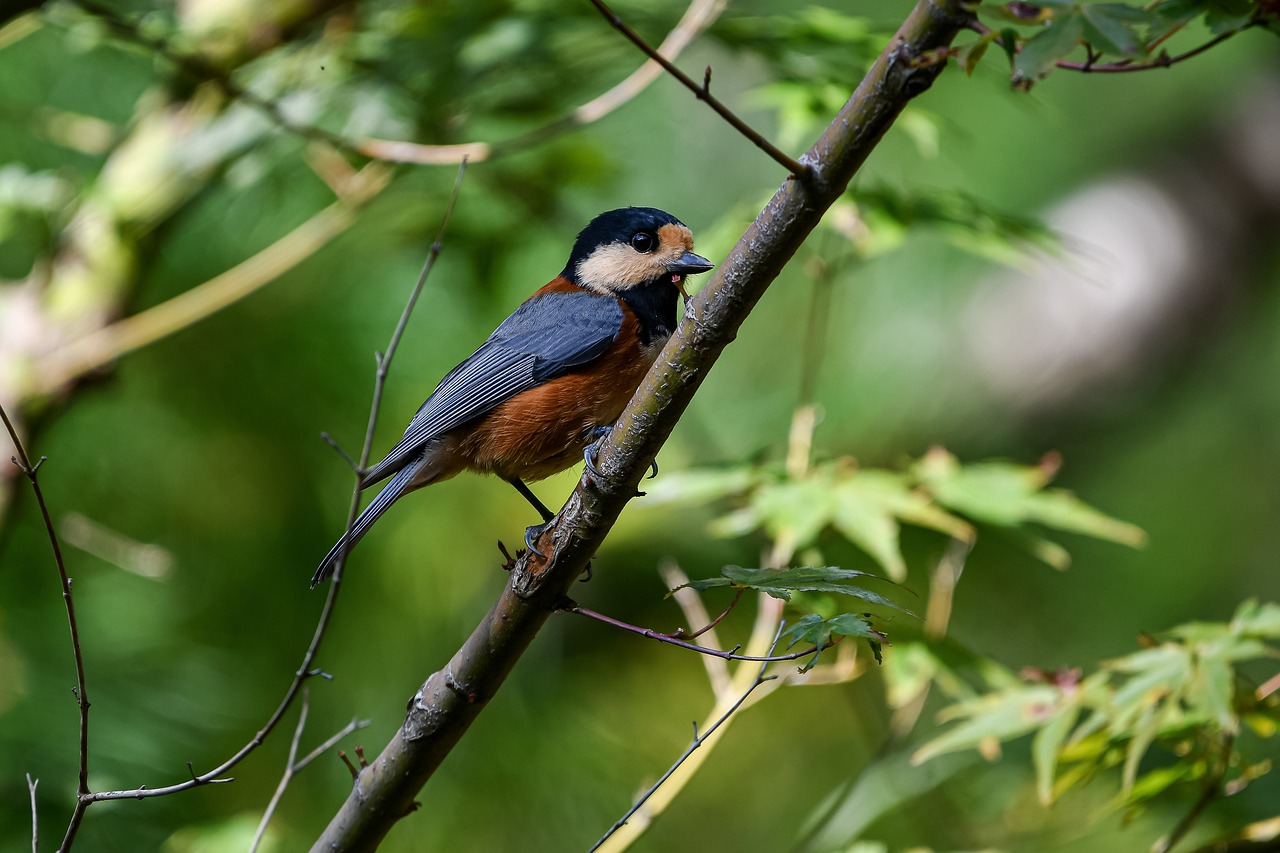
<point x="541" y="392"/>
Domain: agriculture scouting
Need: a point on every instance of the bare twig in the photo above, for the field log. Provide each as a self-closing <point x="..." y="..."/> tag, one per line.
<point x="1164" y="60"/>
<point x="288" y="770"/>
<point x="35" y="818"/>
<point x="306" y="669"/>
<point x="703" y="93"/>
<point x="681" y="634"/>
<point x="293" y="766"/>
<point x="384" y="358"/>
<point x="23" y="461"/>
<point x="732" y="654"/>
<point x="698" y="740"/>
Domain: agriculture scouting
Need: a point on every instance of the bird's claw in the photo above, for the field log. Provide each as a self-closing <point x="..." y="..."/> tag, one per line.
<point x="589" y="455"/>
<point x="532" y="535"/>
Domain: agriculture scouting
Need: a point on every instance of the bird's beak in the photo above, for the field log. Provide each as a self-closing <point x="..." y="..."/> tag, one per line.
<point x="689" y="264"/>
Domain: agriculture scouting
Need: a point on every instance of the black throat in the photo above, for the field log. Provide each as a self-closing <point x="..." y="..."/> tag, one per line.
<point x="654" y="305"/>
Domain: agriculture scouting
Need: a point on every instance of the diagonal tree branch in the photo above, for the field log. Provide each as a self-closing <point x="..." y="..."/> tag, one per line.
<point x="446" y="704"/>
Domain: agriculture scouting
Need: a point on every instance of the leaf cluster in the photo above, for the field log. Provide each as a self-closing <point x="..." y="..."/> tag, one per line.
<point x="1129" y="35"/>
<point x="868" y="506"/>
<point x="1183" y="695"/>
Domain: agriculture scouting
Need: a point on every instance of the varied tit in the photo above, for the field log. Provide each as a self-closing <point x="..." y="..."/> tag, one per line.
<point x="554" y="376"/>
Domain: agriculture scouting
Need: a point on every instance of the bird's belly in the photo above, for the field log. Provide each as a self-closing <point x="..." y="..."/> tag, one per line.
<point x="544" y="430"/>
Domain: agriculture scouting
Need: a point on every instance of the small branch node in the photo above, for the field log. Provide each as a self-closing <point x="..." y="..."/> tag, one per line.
<point x="328" y="439"/>
<point x="355" y="772"/>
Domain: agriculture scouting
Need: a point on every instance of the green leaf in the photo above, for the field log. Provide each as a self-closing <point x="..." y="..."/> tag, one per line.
<point x="1009" y="41"/>
<point x="1182" y="10"/>
<point x="1110" y="27"/>
<point x="1156" y="782"/>
<point x="867" y="522"/>
<point x="1046" y="747"/>
<point x="812" y="628"/>
<point x="1049" y="45"/>
<point x="1258" y="620"/>
<point x="701" y="486"/>
<point x="1010" y="495"/>
<point x="971" y="53"/>
<point x="1061" y="510"/>
<point x="1002" y="715"/>
<point x="1224" y="15"/>
<point x="1211" y="692"/>
<point x="889" y="784"/>
<point x="780" y="583"/>
<point x="794" y="510"/>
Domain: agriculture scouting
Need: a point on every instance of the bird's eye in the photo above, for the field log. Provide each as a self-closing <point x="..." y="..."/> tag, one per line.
<point x="642" y="242"/>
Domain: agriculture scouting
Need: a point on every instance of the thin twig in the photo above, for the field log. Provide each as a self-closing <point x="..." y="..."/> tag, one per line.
<point x="1161" y="61"/>
<point x="354" y="725"/>
<point x="306" y="669"/>
<point x="288" y="770"/>
<point x="293" y="766"/>
<point x="681" y="634"/>
<point x="35" y="819"/>
<point x="732" y="654"/>
<point x="23" y="461"/>
<point x="384" y="359"/>
<point x="1089" y="66"/>
<point x="798" y="170"/>
<point x="698" y="740"/>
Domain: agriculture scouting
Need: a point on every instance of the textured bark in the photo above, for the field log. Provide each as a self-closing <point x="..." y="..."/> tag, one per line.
<point x="444" y="707"/>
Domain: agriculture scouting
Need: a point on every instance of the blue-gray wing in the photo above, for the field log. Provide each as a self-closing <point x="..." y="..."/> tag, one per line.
<point x="545" y="337"/>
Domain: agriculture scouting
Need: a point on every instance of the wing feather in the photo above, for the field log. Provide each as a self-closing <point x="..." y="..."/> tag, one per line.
<point x="547" y="336"/>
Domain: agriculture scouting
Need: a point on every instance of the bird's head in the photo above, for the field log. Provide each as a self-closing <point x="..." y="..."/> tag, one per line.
<point x="630" y="247"/>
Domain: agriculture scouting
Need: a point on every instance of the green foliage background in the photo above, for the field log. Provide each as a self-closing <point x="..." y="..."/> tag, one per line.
<point x="206" y="442"/>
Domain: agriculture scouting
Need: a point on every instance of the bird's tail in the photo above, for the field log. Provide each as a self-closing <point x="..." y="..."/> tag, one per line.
<point x="396" y="487"/>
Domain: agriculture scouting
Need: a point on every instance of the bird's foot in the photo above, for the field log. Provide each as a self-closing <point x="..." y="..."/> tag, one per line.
<point x="589" y="455"/>
<point x="533" y="534"/>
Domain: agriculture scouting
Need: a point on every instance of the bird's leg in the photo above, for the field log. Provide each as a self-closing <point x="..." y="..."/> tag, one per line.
<point x="528" y="494"/>
<point x="532" y="534"/>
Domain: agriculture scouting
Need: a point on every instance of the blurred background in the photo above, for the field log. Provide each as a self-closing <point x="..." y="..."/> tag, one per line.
<point x="194" y="496"/>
